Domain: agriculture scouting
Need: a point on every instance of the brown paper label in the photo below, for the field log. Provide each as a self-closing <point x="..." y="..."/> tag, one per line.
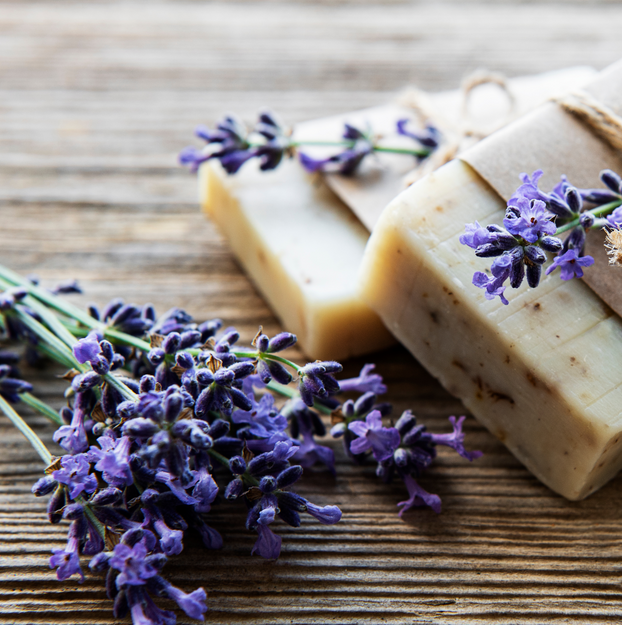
<point x="556" y="142"/>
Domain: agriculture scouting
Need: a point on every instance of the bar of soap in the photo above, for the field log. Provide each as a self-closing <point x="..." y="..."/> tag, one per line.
<point x="543" y="374"/>
<point x="302" y="247"/>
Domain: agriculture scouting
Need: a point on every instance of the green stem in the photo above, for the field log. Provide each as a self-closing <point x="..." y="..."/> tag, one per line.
<point x="51" y="300"/>
<point x="348" y="144"/>
<point x="101" y="530"/>
<point x="42" y="407"/>
<point x="597" y="212"/>
<point x="66" y="354"/>
<point x="50" y="338"/>
<point x="214" y="454"/>
<point x="289" y="363"/>
<point x="24" y="428"/>
<point x="411" y="152"/>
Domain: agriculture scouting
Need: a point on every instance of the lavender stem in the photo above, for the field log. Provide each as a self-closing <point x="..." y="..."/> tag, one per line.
<point x="25" y="429"/>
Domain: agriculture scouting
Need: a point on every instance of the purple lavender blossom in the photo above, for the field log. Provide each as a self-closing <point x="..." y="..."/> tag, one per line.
<point x="73" y="437"/>
<point x="366" y="382"/>
<point x="382" y="441"/>
<point x="268" y="544"/>
<point x="316" y="380"/>
<point x="204" y="491"/>
<point x="345" y="162"/>
<point x="615" y="218"/>
<point x="67" y="560"/>
<point x="328" y="515"/>
<point x="193" y="604"/>
<point x="570" y="264"/>
<point x="565" y="201"/>
<point x="455" y="440"/>
<point x="493" y="287"/>
<point x="529" y="219"/>
<point x="418" y="497"/>
<point x="476" y="235"/>
<point x="262" y="419"/>
<point x="112" y="459"/>
<point x="88" y="348"/>
<point x="134" y="565"/>
<point x="430" y="136"/>
<point x="75" y="473"/>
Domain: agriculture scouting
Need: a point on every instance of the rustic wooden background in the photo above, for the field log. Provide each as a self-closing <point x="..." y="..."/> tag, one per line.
<point x="95" y="101"/>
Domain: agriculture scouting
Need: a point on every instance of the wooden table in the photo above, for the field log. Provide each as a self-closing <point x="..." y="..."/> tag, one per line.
<point x="95" y="101"/>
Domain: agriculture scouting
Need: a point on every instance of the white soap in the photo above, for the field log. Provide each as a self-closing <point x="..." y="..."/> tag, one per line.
<point x="302" y="247"/>
<point x="544" y="373"/>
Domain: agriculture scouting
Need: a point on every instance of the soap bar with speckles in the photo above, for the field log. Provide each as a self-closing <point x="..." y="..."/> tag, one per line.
<point x="544" y="374"/>
<point x="302" y="248"/>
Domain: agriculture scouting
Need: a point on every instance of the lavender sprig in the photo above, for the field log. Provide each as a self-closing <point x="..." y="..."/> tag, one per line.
<point x="532" y="225"/>
<point x="233" y="144"/>
<point x="165" y="417"/>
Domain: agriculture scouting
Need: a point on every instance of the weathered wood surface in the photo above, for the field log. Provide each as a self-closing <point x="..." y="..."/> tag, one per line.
<point x="95" y="101"/>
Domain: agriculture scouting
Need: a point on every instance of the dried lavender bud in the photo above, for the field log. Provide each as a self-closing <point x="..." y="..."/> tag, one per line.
<point x="147" y="383"/>
<point x="262" y="343"/>
<point x="242" y="369"/>
<point x="209" y="328"/>
<point x="85" y="381"/>
<point x="173" y="406"/>
<point x="611" y="180"/>
<point x="140" y="428"/>
<point x="107" y="496"/>
<point x="574" y="200"/>
<point x="184" y="360"/>
<point x="156" y="356"/>
<point x="111" y="308"/>
<point x="289" y="476"/>
<point x="234" y="489"/>
<point x="190" y="338"/>
<point x="44" y="486"/>
<point x="281" y="341"/>
<point x="551" y="244"/>
<point x="56" y="505"/>
<point x="237" y="464"/>
<point x="587" y="220"/>
<point x="171" y="343"/>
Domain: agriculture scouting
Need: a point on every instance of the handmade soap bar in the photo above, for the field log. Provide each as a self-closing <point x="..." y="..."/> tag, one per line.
<point x="302" y="247"/>
<point x="544" y="374"/>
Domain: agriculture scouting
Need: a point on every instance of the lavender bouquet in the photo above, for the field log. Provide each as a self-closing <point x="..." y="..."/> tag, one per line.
<point x="534" y="221"/>
<point x="164" y="416"/>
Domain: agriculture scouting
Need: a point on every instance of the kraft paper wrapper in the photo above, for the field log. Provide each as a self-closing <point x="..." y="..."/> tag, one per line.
<point x="555" y="141"/>
<point x="380" y="178"/>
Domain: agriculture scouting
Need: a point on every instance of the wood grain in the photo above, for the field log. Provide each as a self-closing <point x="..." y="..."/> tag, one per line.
<point x="95" y="101"/>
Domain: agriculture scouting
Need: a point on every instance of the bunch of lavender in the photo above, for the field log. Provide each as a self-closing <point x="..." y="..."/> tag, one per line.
<point x="233" y="144"/>
<point x="533" y="222"/>
<point x="165" y="416"/>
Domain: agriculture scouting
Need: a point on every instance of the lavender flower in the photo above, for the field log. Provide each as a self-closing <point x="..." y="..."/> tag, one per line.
<point x="345" y="162"/>
<point x="430" y="136"/>
<point x="112" y="459"/>
<point x="366" y="382"/>
<point x="570" y="264"/>
<point x="67" y="561"/>
<point x="529" y="219"/>
<point x="75" y="473"/>
<point x="455" y="440"/>
<point x="418" y="497"/>
<point x="382" y="441"/>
